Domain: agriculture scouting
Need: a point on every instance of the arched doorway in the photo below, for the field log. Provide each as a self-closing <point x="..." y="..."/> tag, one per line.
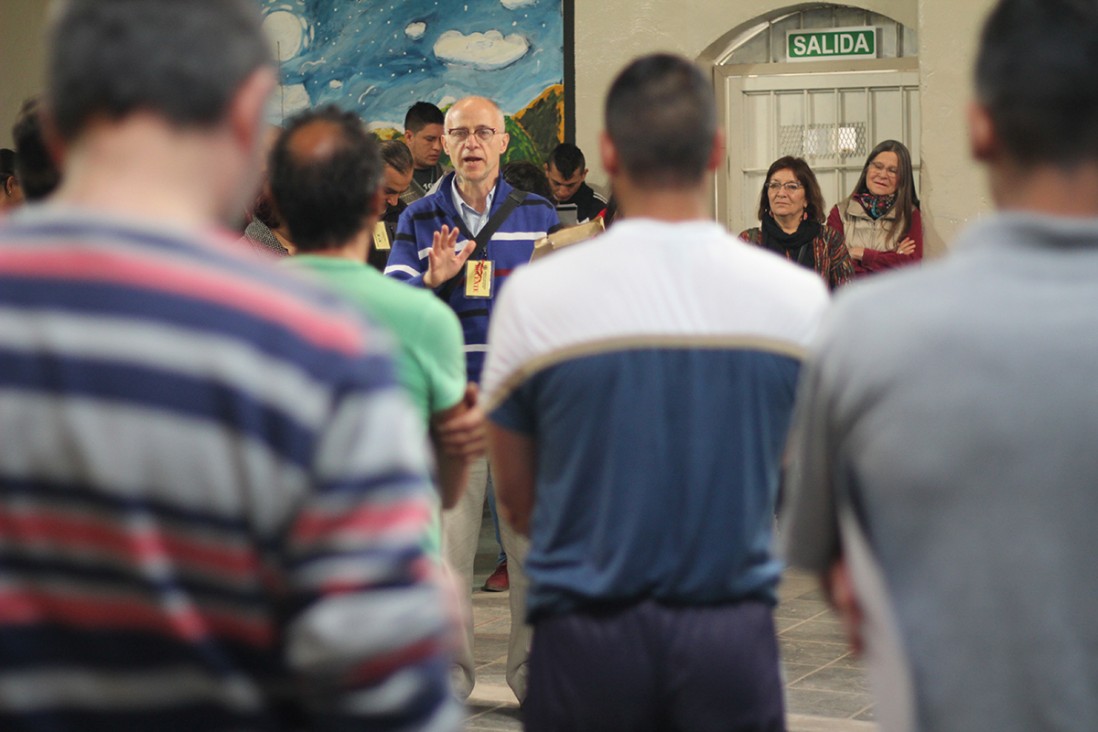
<point x="830" y="108"/>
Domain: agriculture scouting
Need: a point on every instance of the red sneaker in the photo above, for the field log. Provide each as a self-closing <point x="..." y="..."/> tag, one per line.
<point x="497" y="581"/>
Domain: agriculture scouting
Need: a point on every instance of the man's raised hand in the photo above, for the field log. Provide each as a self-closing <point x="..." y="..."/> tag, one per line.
<point x="444" y="261"/>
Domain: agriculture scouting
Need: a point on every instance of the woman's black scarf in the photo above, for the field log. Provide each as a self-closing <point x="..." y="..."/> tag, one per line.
<point x="798" y="244"/>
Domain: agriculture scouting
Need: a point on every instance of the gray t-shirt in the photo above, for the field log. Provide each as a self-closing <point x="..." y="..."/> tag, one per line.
<point x="951" y="414"/>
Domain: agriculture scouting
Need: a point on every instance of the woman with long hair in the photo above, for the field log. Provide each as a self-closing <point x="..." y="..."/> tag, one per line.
<point x="880" y="220"/>
<point x="791" y="213"/>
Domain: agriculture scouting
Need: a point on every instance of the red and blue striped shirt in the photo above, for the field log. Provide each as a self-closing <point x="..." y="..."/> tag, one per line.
<point x="212" y="494"/>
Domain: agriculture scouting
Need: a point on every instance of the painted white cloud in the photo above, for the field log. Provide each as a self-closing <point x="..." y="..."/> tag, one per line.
<point x="415" y="31"/>
<point x="516" y="4"/>
<point x="484" y="51"/>
<point x="292" y="98"/>
<point x="287" y="33"/>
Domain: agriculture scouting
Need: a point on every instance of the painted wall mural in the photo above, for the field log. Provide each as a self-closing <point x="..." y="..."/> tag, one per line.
<point x="377" y="58"/>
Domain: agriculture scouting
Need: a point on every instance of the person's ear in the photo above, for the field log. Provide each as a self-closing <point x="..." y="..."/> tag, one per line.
<point x="609" y="154"/>
<point x="983" y="139"/>
<point x="51" y="137"/>
<point x="716" y="154"/>
<point x="377" y="204"/>
<point x="247" y="106"/>
<point x="504" y="141"/>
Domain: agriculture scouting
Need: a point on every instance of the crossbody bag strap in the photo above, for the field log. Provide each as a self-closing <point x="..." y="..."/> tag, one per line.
<point x="514" y="200"/>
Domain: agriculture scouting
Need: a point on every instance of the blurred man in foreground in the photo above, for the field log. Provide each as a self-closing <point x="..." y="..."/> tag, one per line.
<point x="639" y="390"/>
<point x="944" y="472"/>
<point x="212" y="490"/>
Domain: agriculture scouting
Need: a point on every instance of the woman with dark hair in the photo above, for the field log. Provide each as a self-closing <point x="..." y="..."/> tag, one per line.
<point x="791" y="211"/>
<point x="880" y="219"/>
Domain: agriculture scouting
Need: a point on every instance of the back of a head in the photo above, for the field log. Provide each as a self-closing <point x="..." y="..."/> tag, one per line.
<point x="1036" y="76"/>
<point x="567" y="159"/>
<point x="38" y="175"/>
<point x="397" y="156"/>
<point x="7" y="162"/>
<point x="525" y="176"/>
<point x="180" y="59"/>
<point x="325" y="171"/>
<point x="662" y="117"/>
<point x="422" y="114"/>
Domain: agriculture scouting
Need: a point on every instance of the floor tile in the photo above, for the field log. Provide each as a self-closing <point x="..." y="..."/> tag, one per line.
<point x="824" y="703"/>
<point x="834" y="678"/>
<point x="826" y="631"/>
<point x="810" y="652"/>
<point x="825" y="689"/>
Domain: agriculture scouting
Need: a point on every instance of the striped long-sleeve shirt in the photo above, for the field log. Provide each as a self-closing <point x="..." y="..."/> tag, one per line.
<point x="212" y="495"/>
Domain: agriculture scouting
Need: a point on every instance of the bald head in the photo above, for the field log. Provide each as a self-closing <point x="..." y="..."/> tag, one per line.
<point x="475" y="105"/>
<point x="476" y="138"/>
<point x="325" y="174"/>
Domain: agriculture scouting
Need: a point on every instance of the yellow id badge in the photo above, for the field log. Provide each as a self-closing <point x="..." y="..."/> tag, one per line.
<point x="478" y="278"/>
<point x="381" y="237"/>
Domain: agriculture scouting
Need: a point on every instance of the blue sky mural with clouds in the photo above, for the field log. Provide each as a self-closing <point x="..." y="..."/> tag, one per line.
<point x="378" y="58"/>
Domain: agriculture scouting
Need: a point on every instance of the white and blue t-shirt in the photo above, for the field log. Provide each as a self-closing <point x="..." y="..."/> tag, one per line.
<point x="655" y="368"/>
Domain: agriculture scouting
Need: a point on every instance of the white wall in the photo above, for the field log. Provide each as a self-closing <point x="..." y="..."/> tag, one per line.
<point x="21" y="63"/>
<point x="954" y="188"/>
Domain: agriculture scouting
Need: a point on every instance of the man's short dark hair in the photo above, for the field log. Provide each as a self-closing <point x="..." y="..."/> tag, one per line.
<point x="38" y="175"/>
<point x="1037" y="75"/>
<point x="326" y="200"/>
<point x="397" y="156"/>
<point x="525" y="176"/>
<point x="422" y="114"/>
<point x="7" y="162"/>
<point x="567" y="159"/>
<point x="662" y="116"/>
<point x="7" y="168"/>
<point x="180" y="59"/>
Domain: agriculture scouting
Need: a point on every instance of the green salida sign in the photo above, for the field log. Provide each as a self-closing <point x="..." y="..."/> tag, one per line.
<point x="815" y="45"/>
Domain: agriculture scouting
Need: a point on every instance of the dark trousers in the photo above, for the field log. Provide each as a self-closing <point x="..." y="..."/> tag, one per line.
<point x="652" y="667"/>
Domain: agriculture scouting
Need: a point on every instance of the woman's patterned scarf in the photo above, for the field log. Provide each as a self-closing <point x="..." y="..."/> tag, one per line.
<point x="875" y="206"/>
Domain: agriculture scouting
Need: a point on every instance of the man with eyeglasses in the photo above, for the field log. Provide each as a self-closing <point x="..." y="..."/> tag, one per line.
<point x="463" y="241"/>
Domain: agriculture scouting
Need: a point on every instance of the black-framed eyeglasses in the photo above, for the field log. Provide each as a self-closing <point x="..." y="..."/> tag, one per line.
<point x="460" y="134"/>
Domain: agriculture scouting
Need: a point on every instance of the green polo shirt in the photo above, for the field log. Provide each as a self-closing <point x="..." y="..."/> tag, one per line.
<point x="431" y="360"/>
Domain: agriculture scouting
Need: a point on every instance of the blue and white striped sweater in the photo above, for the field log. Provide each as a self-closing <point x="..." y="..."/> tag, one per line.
<point x="510" y="247"/>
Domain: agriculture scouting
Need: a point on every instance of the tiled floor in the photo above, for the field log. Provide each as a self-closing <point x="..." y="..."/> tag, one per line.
<point x="825" y="688"/>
